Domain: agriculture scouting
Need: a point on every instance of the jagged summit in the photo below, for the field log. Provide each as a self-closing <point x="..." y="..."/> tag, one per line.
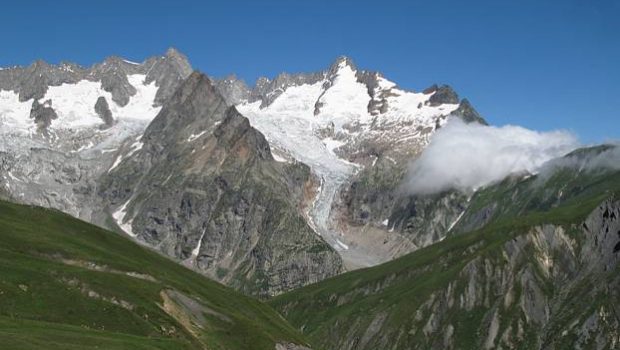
<point x="33" y="81"/>
<point x="342" y="122"/>
<point x="376" y="89"/>
<point x="174" y="53"/>
<point x="341" y="62"/>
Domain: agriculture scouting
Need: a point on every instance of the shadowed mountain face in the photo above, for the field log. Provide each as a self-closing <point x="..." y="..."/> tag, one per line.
<point x="205" y="189"/>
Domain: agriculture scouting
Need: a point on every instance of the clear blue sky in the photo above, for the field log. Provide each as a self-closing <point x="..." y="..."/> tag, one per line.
<point x="540" y="64"/>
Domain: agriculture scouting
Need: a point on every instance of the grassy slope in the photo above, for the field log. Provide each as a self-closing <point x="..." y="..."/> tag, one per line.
<point x="45" y="301"/>
<point x="399" y="287"/>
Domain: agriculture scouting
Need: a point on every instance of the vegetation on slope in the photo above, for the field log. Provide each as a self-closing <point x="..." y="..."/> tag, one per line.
<point x="516" y="280"/>
<point x="66" y="284"/>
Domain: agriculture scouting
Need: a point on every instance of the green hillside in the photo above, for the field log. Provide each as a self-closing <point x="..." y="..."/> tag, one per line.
<point x="540" y="271"/>
<point x="66" y="284"/>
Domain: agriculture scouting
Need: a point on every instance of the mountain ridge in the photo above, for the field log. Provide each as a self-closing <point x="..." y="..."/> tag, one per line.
<point x="85" y="145"/>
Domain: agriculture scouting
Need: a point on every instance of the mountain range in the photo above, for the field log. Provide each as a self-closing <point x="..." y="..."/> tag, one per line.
<point x="290" y="191"/>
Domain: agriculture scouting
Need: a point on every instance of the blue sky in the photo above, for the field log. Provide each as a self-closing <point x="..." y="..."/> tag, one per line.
<point x="539" y="64"/>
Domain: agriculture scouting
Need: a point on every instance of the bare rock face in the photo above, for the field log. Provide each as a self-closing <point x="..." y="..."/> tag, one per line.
<point x="168" y="72"/>
<point x="43" y="114"/>
<point x="441" y="94"/>
<point x="467" y="112"/>
<point x="233" y="90"/>
<point x="205" y="189"/>
<point x="32" y="82"/>
<point x="103" y="110"/>
<point x="113" y="76"/>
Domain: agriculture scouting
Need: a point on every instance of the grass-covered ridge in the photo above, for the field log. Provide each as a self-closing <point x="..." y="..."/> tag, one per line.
<point x="66" y="284"/>
<point x="413" y="301"/>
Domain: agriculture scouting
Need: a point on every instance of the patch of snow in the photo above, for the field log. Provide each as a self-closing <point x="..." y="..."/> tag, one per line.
<point x="85" y="147"/>
<point x="341" y="246"/>
<point x="277" y="158"/>
<point x="15" y="115"/>
<point x="193" y="137"/>
<point x="332" y="144"/>
<point x="13" y="177"/>
<point x="119" y="217"/>
<point x="346" y="100"/>
<point x="75" y="103"/>
<point x="117" y="161"/>
<point x="374" y="161"/>
<point x="196" y="250"/>
<point x="456" y="221"/>
<point x="289" y="124"/>
<point x="135" y="147"/>
<point x="109" y="150"/>
<point x="385" y="222"/>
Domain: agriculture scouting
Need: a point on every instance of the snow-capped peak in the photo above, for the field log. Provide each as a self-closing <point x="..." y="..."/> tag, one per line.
<point x="339" y="121"/>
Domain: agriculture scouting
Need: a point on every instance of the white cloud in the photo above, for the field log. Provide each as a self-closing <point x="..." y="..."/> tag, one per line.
<point x="603" y="157"/>
<point x="468" y="156"/>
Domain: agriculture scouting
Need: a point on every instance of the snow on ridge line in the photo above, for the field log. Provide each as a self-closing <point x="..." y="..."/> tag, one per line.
<point x="75" y="106"/>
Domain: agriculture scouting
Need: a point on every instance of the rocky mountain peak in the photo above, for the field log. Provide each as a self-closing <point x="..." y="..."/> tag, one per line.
<point x="340" y="63"/>
<point x="233" y="90"/>
<point x="236" y="134"/>
<point x="167" y="72"/>
<point x="441" y="94"/>
<point x="197" y="88"/>
<point x="468" y="113"/>
<point x="194" y="108"/>
<point x="173" y="53"/>
<point x="175" y="58"/>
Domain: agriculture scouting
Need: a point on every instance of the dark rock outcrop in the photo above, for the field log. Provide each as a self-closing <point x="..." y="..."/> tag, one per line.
<point x="43" y="114"/>
<point x="441" y="94"/>
<point x="103" y="111"/>
<point x="467" y="112"/>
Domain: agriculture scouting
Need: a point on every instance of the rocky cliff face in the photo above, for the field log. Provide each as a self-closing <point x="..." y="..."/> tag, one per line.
<point x="546" y="279"/>
<point x="203" y="187"/>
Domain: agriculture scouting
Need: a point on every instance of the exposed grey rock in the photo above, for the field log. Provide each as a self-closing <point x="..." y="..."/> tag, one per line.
<point x="205" y="189"/>
<point x="467" y="112"/>
<point x="233" y="90"/>
<point x="168" y="72"/>
<point x="441" y="94"/>
<point x="43" y="114"/>
<point x="103" y="110"/>
<point x="33" y="81"/>
<point x="52" y="179"/>
<point x="113" y="76"/>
